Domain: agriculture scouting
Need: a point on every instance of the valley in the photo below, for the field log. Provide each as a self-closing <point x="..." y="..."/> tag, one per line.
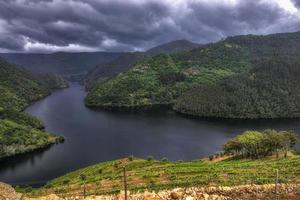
<point x="162" y="113"/>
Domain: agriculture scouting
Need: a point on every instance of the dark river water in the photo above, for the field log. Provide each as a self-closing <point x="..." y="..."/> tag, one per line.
<point x="95" y="136"/>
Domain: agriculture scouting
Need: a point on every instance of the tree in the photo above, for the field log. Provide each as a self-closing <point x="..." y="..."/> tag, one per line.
<point x="288" y="140"/>
<point x="255" y="144"/>
<point x="83" y="178"/>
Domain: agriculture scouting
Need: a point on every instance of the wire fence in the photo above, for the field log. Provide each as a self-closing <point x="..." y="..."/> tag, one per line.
<point x="125" y="183"/>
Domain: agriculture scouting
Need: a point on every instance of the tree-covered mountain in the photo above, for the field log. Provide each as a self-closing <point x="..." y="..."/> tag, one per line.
<point x="20" y="132"/>
<point x="126" y="61"/>
<point x="164" y="78"/>
<point x="270" y="90"/>
<point x="71" y="65"/>
<point x="173" y="47"/>
<point x="105" y="71"/>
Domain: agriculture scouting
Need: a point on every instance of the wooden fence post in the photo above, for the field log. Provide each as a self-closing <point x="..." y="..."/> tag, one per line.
<point x="276" y="182"/>
<point x="125" y="182"/>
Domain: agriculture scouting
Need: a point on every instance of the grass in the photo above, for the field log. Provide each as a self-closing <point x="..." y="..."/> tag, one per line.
<point x="106" y="177"/>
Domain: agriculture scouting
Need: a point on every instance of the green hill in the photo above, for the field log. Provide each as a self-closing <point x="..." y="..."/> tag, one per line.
<point x="162" y="79"/>
<point x="127" y="60"/>
<point x="20" y="132"/>
<point x="71" y="65"/>
<point x="270" y="90"/>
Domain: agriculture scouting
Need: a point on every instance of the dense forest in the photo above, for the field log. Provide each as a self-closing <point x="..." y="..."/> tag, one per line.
<point x="162" y="79"/>
<point x="270" y="90"/>
<point x="126" y="61"/>
<point x="20" y="132"/>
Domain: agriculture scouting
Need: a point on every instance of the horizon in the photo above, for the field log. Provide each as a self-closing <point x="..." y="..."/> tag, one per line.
<point x="164" y="43"/>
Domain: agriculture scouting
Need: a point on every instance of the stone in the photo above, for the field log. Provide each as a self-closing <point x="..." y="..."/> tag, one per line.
<point x="189" y="198"/>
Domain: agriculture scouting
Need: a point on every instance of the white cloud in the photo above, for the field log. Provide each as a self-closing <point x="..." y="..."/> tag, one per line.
<point x="34" y="46"/>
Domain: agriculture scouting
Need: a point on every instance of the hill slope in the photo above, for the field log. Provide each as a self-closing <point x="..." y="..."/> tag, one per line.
<point x="71" y="65"/>
<point x="154" y="175"/>
<point x="105" y="71"/>
<point x="126" y="61"/>
<point x="271" y="90"/>
<point x="19" y="132"/>
<point x="173" y="47"/>
<point x="160" y="80"/>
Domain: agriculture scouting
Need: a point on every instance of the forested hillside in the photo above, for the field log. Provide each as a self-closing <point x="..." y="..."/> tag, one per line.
<point x="71" y="65"/>
<point x="270" y="90"/>
<point x="105" y="71"/>
<point x="164" y="78"/>
<point x="126" y="61"/>
<point x="173" y="47"/>
<point x="20" y="132"/>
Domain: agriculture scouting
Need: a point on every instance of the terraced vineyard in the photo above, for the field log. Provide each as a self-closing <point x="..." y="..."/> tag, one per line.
<point x="156" y="175"/>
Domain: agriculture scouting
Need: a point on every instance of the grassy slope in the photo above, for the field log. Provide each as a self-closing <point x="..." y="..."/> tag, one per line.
<point x="155" y="175"/>
<point x="162" y="79"/>
<point x="20" y="132"/>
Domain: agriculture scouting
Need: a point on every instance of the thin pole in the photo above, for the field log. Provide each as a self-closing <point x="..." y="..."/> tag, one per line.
<point x="125" y="182"/>
<point x="276" y="182"/>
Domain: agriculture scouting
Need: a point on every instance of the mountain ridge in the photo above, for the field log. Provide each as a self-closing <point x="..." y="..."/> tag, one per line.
<point x="161" y="80"/>
<point x="128" y="60"/>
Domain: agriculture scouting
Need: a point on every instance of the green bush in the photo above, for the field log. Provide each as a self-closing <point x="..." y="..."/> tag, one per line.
<point x="150" y="158"/>
<point x="130" y="158"/>
<point x="164" y="159"/>
<point x="255" y="144"/>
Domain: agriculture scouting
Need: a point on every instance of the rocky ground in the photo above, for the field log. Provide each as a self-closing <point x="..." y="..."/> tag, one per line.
<point x="8" y="193"/>
<point x="248" y="192"/>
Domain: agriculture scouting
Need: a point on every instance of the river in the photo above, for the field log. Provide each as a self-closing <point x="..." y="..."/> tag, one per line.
<point x="95" y="136"/>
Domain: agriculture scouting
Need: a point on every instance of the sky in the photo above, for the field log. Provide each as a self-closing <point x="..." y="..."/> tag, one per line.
<point x="46" y="26"/>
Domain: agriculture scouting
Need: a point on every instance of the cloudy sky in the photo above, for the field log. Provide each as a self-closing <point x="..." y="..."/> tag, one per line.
<point x="130" y="25"/>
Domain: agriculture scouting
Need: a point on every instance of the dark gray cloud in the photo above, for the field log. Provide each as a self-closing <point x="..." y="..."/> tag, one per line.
<point x="118" y="25"/>
<point x="297" y="3"/>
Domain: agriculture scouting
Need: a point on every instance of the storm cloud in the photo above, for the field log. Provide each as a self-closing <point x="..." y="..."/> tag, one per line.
<point x="119" y="25"/>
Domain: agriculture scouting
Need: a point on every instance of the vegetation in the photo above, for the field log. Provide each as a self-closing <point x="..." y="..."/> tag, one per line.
<point x="162" y="79"/>
<point x="19" y="139"/>
<point x="20" y="132"/>
<point x="127" y="60"/>
<point x="157" y="175"/>
<point x="255" y="144"/>
<point x="71" y="65"/>
<point x="247" y="159"/>
<point x="268" y="91"/>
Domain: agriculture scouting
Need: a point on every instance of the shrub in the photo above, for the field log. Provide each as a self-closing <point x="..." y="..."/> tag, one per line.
<point x="130" y="158"/>
<point x="211" y="157"/>
<point x="164" y="159"/>
<point x="150" y="158"/>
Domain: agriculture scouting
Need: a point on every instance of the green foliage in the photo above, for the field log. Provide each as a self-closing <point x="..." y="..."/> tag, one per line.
<point x="268" y="91"/>
<point x="22" y="118"/>
<point x="255" y="144"/>
<point x="20" y="132"/>
<point x="158" y="175"/>
<point x="18" y="139"/>
<point x="150" y="158"/>
<point x="53" y="81"/>
<point x="164" y="159"/>
<point x="130" y="158"/>
<point x="162" y="79"/>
